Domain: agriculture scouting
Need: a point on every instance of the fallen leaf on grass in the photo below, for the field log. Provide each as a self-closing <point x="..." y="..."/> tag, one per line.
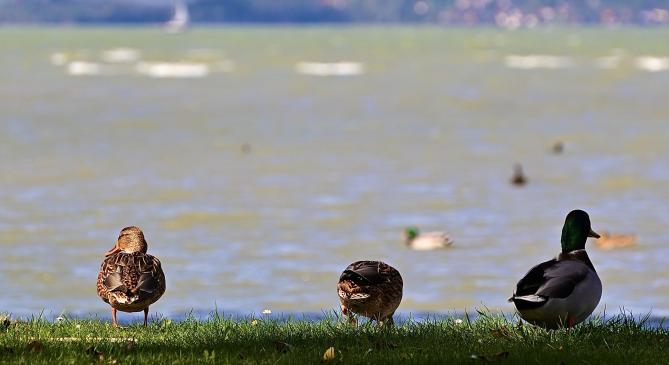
<point x="35" y="346"/>
<point x="95" y="354"/>
<point x="282" y="347"/>
<point x="329" y="354"/>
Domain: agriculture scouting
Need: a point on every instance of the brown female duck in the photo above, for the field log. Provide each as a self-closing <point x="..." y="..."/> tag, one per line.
<point x="370" y="288"/>
<point x="130" y="279"/>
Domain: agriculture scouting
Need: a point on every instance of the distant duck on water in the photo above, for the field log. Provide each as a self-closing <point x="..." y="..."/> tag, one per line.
<point x="518" y="178"/>
<point x="609" y="241"/>
<point x="372" y="289"/>
<point x="130" y="280"/>
<point x="564" y="291"/>
<point x="426" y="241"/>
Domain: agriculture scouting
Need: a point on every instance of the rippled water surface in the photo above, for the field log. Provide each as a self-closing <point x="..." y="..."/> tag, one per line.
<point x="256" y="184"/>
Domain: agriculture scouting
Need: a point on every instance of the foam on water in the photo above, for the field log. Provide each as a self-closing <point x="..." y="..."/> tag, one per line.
<point x="121" y="55"/>
<point x="537" y="61"/>
<point x="83" y="68"/>
<point x="163" y="70"/>
<point x="330" y="69"/>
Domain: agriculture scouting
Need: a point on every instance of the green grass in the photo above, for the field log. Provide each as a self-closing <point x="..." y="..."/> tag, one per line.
<point x="489" y="338"/>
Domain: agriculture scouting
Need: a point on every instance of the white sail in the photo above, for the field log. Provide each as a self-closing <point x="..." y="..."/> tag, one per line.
<point x="179" y="20"/>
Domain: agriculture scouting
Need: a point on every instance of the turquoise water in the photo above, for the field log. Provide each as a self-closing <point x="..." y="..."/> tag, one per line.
<point x="334" y="167"/>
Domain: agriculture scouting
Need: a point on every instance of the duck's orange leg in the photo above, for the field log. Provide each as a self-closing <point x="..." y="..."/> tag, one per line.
<point x="146" y="316"/>
<point x="349" y="314"/>
<point x="114" y="321"/>
<point x="570" y="321"/>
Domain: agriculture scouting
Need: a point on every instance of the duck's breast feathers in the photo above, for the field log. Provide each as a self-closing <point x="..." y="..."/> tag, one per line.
<point x="552" y="279"/>
<point x="370" y="273"/>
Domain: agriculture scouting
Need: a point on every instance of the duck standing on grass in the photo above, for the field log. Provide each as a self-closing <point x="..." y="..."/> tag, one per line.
<point x="426" y="241"/>
<point x="371" y="289"/>
<point x="563" y="291"/>
<point x="130" y="279"/>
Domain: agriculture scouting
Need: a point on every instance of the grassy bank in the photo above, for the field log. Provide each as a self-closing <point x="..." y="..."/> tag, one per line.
<point x="489" y="338"/>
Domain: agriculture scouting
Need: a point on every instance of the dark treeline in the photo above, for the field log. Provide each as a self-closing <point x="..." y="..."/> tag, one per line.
<point x="505" y="13"/>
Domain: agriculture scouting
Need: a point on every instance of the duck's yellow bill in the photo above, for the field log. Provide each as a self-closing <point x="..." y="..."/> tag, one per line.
<point x="593" y="234"/>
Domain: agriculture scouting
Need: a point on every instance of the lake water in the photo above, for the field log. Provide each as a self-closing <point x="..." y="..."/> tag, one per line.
<point x="260" y="162"/>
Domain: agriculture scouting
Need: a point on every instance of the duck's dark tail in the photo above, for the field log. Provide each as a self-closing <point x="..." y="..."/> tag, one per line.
<point x="353" y="276"/>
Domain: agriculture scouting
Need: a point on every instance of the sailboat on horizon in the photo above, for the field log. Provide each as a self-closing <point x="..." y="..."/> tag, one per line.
<point x="180" y="18"/>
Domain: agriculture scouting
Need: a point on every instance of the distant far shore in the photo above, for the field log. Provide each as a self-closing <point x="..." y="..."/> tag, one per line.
<point x="505" y="14"/>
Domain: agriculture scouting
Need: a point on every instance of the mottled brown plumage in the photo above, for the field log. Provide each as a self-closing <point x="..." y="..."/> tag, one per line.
<point x="130" y="280"/>
<point x="370" y="288"/>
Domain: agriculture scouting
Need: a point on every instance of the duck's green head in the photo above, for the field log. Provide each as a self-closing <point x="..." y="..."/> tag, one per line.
<point x="410" y="233"/>
<point x="576" y="231"/>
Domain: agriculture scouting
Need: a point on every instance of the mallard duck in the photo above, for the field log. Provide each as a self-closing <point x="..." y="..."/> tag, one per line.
<point x="130" y="279"/>
<point x="609" y="241"/>
<point x="518" y="178"/>
<point x="426" y="241"/>
<point x="372" y="289"/>
<point x="563" y="291"/>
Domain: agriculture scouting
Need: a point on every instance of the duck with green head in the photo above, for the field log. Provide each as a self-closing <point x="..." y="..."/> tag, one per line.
<point x="426" y="241"/>
<point x="564" y="291"/>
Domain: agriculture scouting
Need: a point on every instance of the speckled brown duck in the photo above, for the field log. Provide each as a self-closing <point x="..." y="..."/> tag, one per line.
<point x="130" y="280"/>
<point x="372" y="289"/>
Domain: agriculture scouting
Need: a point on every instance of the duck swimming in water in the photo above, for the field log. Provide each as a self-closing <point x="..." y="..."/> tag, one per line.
<point x="426" y="241"/>
<point x="518" y="178"/>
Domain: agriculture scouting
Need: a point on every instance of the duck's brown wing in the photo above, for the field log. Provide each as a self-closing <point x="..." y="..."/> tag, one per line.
<point x="137" y="275"/>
